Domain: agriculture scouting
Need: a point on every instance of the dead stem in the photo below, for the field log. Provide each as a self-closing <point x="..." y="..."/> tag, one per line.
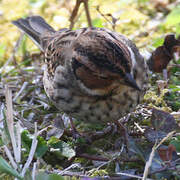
<point x="75" y="13"/>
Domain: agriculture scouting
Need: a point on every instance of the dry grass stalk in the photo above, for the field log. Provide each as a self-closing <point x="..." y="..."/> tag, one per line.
<point x="34" y="171"/>
<point x="155" y="147"/>
<point x="32" y="152"/>
<point x="10" y="121"/>
<point x="133" y="176"/>
<point x="21" y="90"/>
<point x="18" y="127"/>
<point x="16" y="141"/>
<point x="10" y="157"/>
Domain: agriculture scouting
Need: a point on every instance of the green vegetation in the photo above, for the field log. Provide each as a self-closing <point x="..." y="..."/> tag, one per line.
<point x="51" y="151"/>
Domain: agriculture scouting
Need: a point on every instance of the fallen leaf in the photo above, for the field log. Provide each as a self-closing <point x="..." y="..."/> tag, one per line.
<point x="163" y="121"/>
<point x="166" y="153"/>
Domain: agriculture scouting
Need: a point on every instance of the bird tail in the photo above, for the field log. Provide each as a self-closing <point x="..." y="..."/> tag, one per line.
<point x="36" y="28"/>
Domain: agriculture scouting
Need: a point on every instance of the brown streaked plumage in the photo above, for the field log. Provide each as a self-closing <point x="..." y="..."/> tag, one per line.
<point x="92" y="74"/>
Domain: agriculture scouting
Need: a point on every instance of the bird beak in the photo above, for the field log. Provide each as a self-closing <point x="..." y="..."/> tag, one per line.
<point x="130" y="81"/>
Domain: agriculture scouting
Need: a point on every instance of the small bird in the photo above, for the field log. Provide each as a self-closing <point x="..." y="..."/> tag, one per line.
<point x="92" y="74"/>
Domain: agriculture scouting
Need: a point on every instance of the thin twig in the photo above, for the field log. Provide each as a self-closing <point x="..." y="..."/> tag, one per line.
<point x="133" y="176"/>
<point x="79" y="175"/>
<point x="44" y="129"/>
<point x="87" y="12"/>
<point x="137" y="125"/>
<point x="159" y="170"/>
<point x="169" y="135"/>
<point x="155" y="147"/>
<point x="114" y="20"/>
<point x="149" y="162"/>
<point x="104" y="16"/>
<point x="20" y="91"/>
<point x="68" y="173"/>
<point x="100" y="134"/>
<point x="75" y="13"/>
<point x="76" y="165"/>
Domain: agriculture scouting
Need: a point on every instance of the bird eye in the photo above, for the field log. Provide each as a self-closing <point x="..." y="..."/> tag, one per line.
<point x="104" y="78"/>
<point x="135" y="73"/>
